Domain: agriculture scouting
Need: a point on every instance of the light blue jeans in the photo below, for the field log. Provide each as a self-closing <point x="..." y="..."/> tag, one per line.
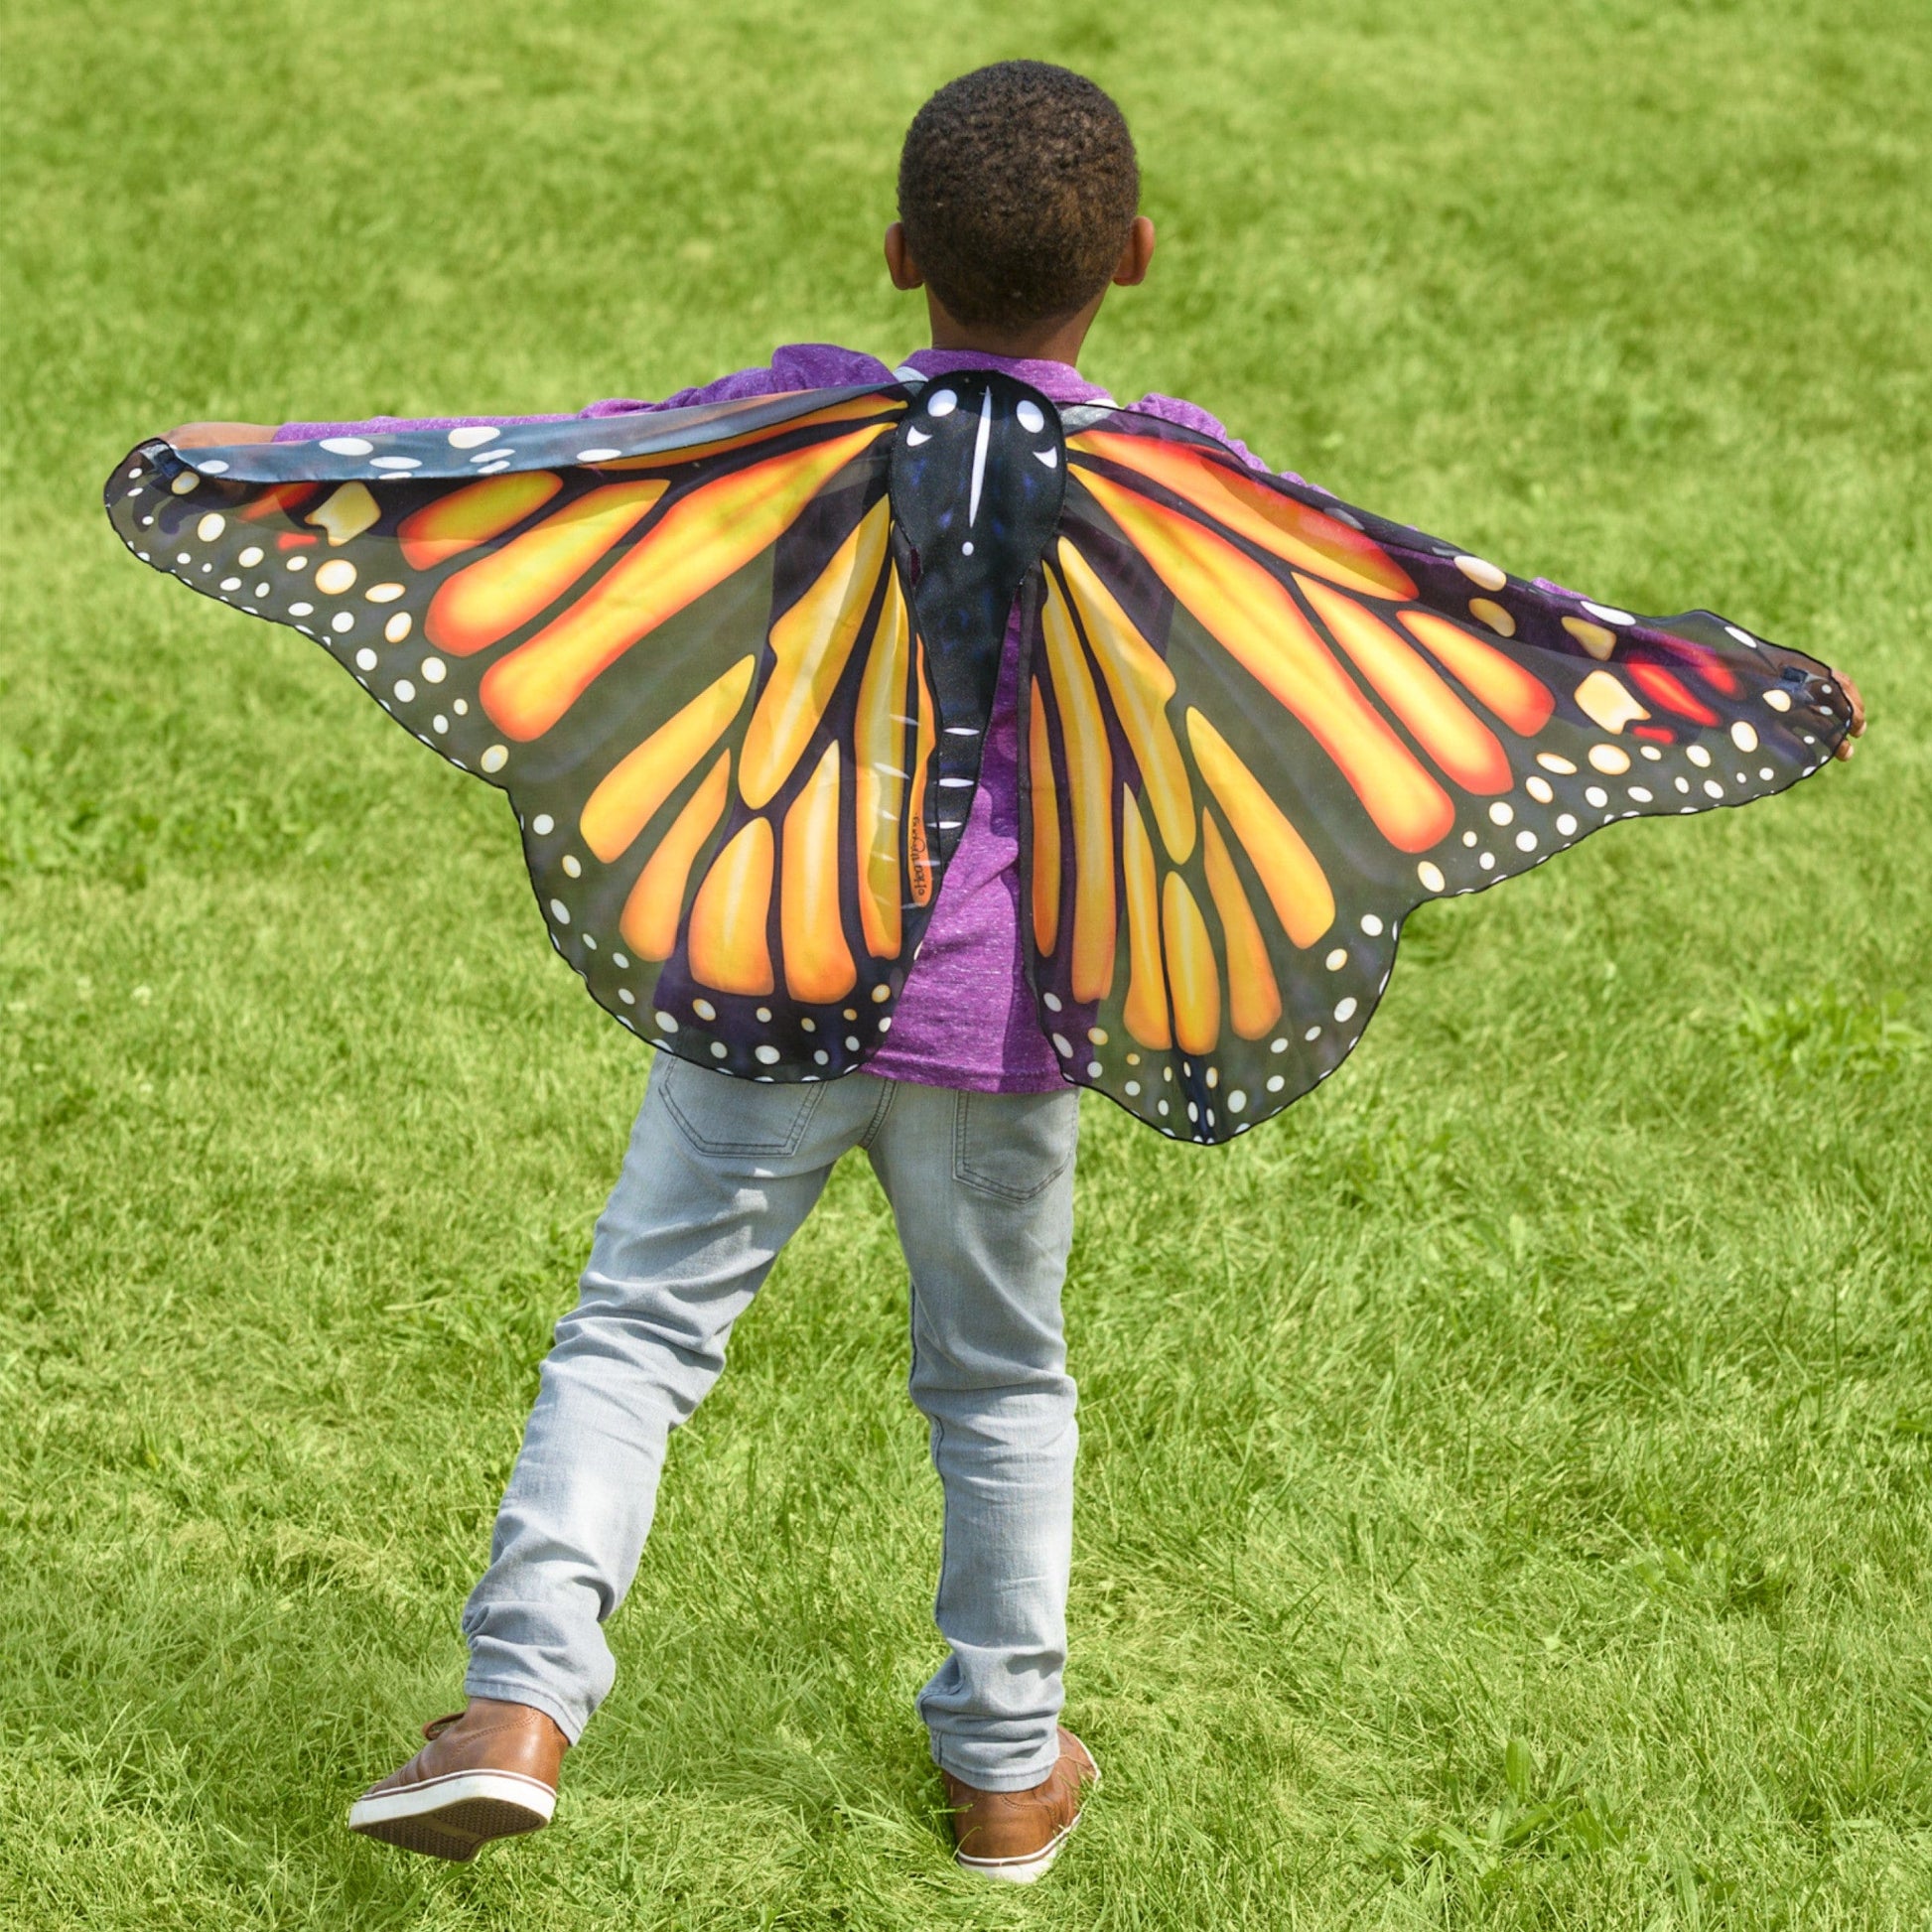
<point x="719" y="1174"/>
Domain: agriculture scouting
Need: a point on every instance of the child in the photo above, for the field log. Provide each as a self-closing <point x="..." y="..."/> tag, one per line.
<point x="1019" y="203"/>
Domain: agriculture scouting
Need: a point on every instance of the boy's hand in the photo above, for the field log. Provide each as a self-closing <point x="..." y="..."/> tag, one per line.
<point x="1845" y="746"/>
<point x="212" y="436"/>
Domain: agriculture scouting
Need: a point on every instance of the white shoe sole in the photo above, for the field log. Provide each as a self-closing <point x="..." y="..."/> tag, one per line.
<point x="454" y="1817"/>
<point x="1022" y="1872"/>
<point x="1016" y="1871"/>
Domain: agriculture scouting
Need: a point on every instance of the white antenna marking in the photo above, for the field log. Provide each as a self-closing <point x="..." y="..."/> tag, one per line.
<point x="979" y="456"/>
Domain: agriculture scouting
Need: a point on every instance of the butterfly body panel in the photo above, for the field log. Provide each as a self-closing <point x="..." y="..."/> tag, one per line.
<point x="978" y="477"/>
<point x="734" y="667"/>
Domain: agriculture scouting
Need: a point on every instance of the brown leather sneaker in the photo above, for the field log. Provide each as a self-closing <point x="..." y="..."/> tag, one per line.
<point x="486" y="1772"/>
<point x="1017" y="1835"/>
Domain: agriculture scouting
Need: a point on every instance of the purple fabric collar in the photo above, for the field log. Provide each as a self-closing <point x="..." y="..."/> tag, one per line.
<point x="1060" y="382"/>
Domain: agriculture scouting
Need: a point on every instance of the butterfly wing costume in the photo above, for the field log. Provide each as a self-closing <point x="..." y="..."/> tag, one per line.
<point x="734" y="666"/>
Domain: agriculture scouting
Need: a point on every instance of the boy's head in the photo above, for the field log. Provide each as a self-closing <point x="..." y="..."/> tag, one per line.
<point x="1018" y="193"/>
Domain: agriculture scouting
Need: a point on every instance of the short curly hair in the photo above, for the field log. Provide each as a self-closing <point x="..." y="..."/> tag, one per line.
<point x="1018" y="187"/>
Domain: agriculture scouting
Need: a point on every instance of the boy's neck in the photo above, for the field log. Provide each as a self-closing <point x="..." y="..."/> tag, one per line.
<point x="1057" y="340"/>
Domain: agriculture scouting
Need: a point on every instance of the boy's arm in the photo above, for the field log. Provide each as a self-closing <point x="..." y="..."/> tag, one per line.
<point x="795" y="365"/>
<point x="213" y="436"/>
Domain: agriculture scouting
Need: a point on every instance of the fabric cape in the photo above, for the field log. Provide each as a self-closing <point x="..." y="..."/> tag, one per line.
<point x="734" y="665"/>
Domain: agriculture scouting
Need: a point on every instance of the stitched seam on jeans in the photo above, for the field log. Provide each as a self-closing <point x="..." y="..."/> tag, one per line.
<point x="937" y="1444"/>
<point x="807" y="1112"/>
<point x="961" y="1101"/>
<point x="936" y="1434"/>
<point x="882" y="1107"/>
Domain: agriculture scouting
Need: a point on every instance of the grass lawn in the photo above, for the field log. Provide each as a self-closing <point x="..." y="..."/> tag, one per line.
<point x="1506" y="1480"/>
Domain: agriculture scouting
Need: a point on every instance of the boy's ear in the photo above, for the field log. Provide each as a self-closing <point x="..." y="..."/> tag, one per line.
<point x="1136" y="255"/>
<point x="900" y="265"/>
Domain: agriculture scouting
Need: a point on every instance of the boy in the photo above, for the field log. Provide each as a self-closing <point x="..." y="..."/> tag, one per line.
<point x="1019" y="208"/>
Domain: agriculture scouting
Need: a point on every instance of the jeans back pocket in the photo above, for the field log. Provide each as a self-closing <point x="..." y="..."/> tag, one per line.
<point x="720" y="1114"/>
<point x="1014" y="1145"/>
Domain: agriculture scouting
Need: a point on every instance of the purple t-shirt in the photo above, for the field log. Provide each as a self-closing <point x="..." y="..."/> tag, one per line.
<point x="966" y="1017"/>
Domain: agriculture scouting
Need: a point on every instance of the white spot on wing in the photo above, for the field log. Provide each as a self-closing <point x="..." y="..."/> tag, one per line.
<point x="1477" y="571"/>
<point x="1607" y="702"/>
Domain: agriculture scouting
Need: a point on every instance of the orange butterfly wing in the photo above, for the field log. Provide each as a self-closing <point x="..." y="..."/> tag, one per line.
<point x="681" y="644"/>
<point x="1262" y="727"/>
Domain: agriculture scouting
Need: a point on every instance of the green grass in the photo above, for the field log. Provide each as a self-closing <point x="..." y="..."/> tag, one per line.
<point x="1506" y="1480"/>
